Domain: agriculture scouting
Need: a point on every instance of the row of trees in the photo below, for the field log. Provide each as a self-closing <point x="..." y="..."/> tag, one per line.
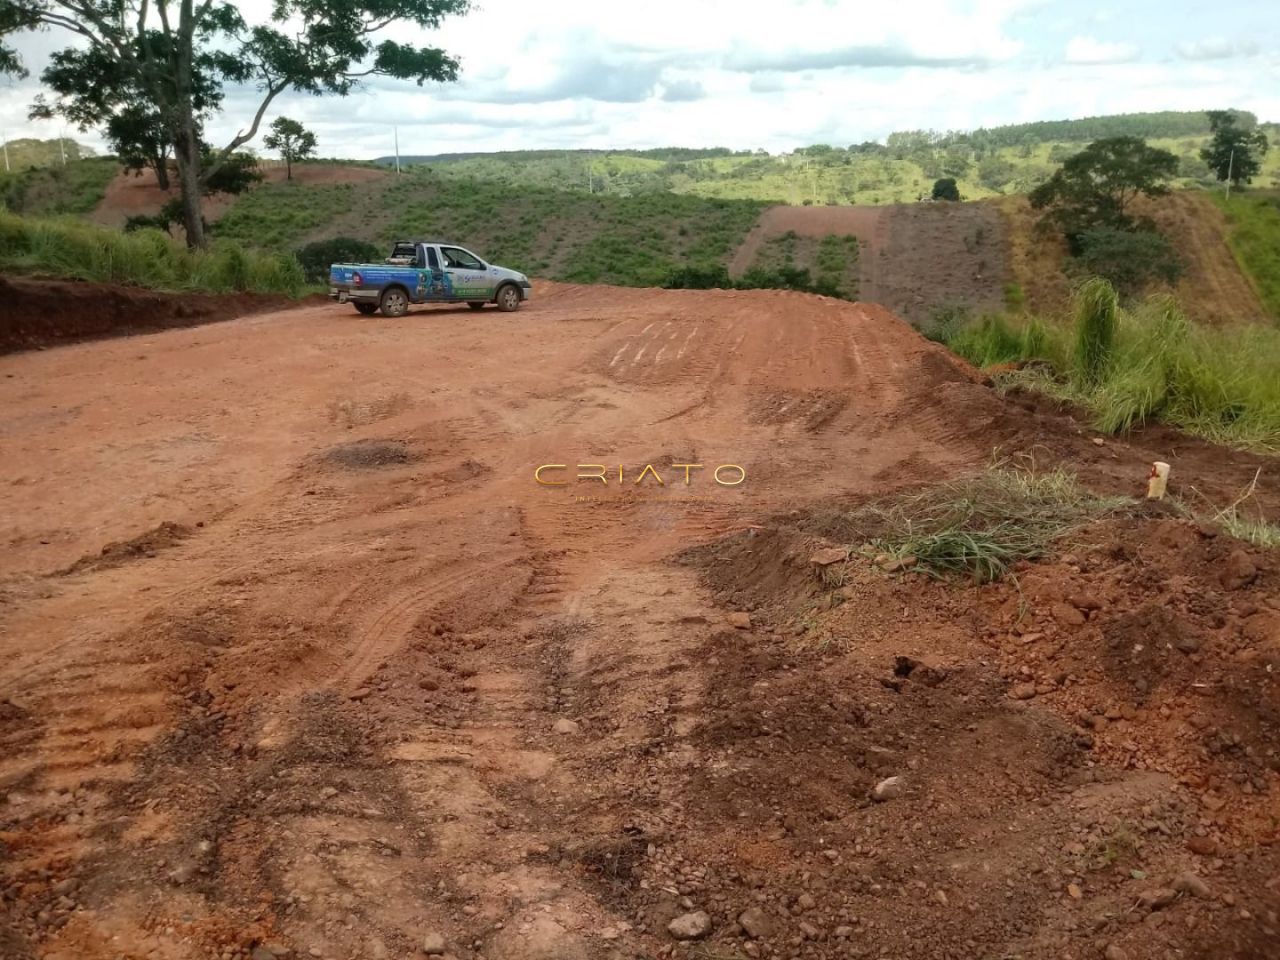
<point x="153" y="72"/>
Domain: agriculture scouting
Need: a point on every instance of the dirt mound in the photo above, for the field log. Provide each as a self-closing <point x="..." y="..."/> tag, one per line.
<point x="1070" y="746"/>
<point x="146" y="544"/>
<point x="131" y="195"/>
<point x="37" y="313"/>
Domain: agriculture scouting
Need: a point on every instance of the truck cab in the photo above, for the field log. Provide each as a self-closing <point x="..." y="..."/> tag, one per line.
<point x="426" y="271"/>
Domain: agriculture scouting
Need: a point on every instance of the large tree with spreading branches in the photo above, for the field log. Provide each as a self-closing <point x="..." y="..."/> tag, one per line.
<point x="167" y="49"/>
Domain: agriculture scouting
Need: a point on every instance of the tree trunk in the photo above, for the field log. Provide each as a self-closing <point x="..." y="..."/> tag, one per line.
<point x="288" y="169"/>
<point x="160" y="165"/>
<point x="186" y="151"/>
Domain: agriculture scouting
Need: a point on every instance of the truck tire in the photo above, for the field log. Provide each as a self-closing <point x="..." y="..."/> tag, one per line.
<point x="366" y="309"/>
<point x="508" y="298"/>
<point x="394" y="302"/>
<point x="475" y="304"/>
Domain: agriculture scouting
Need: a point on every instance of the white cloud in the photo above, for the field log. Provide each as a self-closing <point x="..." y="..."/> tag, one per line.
<point x="1087" y="50"/>
<point x="1216" y="48"/>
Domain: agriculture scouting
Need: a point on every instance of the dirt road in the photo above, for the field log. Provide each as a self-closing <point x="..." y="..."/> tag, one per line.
<point x="297" y="656"/>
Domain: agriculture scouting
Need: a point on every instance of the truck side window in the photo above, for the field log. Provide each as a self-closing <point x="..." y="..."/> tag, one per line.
<point x="432" y="260"/>
<point x="456" y="257"/>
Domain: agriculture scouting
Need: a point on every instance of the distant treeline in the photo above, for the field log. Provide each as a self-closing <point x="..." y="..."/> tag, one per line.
<point x="657" y="153"/>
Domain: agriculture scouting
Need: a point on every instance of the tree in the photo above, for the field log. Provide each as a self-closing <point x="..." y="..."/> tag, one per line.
<point x="1095" y="187"/>
<point x="92" y="89"/>
<point x="1236" y="150"/>
<point x="946" y="189"/>
<point x="293" y="140"/>
<point x="162" y="50"/>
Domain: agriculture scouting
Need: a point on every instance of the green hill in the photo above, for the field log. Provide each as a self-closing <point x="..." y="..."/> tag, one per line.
<point x="553" y="233"/>
<point x="986" y="162"/>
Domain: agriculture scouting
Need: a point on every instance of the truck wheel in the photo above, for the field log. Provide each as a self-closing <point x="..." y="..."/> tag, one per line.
<point x="394" y="302"/>
<point x="508" y="298"/>
<point x="475" y="304"/>
<point x="366" y="309"/>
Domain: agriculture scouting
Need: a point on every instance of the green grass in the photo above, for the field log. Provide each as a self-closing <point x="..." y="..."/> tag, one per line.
<point x="74" y="189"/>
<point x="980" y="526"/>
<point x="1218" y="383"/>
<point x="145" y="258"/>
<point x="578" y="237"/>
<point x="1255" y="241"/>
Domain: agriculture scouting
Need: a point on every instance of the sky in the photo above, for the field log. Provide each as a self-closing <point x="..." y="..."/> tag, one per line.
<point x="751" y="74"/>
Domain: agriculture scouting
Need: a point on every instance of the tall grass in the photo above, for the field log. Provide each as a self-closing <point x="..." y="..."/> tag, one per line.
<point x="145" y="258"/>
<point x="1129" y="366"/>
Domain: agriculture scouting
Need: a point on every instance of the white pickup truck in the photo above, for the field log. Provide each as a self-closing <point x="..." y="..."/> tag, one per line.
<point x="426" y="271"/>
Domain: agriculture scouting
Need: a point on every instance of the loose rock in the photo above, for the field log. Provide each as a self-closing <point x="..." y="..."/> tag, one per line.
<point x="566" y="726"/>
<point x="690" y="926"/>
<point x="433" y="944"/>
<point x="828" y="556"/>
<point x="888" y="789"/>
<point x="756" y="923"/>
<point x="1190" y="883"/>
<point x="1022" y="691"/>
<point x="1238" y="571"/>
<point x="739" y="620"/>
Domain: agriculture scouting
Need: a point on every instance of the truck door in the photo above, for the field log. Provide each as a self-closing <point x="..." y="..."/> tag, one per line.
<point x="469" y="275"/>
<point x="433" y="280"/>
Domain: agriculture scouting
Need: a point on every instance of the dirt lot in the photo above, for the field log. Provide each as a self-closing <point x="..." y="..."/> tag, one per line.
<point x="916" y="258"/>
<point x="296" y="657"/>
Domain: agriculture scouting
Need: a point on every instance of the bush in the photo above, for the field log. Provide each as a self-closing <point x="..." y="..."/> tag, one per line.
<point x="946" y="189"/>
<point x="317" y="257"/>
<point x="1130" y="259"/>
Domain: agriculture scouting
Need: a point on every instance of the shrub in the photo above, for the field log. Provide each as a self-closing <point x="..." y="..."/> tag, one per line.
<point x="1130" y="259"/>
<point x="946" y="189"/>
<point x="316" y="258"/>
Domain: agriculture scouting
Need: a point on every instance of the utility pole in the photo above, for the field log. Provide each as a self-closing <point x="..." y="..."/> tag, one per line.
<point x="62" y="145"/>
<point x="1231" y="163"/>
<point x="397" y="135"/>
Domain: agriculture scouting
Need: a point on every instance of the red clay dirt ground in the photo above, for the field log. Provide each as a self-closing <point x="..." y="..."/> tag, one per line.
<point x="298" y="659"/>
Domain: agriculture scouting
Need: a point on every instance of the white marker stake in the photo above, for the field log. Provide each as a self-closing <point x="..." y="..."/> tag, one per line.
<point x="1158" y="480"/>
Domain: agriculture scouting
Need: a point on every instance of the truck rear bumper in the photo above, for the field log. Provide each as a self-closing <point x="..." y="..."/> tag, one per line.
<point x="344" y="294"/>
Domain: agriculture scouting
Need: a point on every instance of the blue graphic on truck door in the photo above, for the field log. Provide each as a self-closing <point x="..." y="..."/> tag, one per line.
<point x="434" y="283"/>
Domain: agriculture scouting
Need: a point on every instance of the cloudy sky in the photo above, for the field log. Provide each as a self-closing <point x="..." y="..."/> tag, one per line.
<point x="773" y="73"/>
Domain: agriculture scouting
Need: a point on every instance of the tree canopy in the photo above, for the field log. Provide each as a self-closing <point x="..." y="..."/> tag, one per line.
<point x="1095" y="187"/>
<point x="292" y="140"/>
<point x="1236" y="149"/>
<point x="173" y="57"/>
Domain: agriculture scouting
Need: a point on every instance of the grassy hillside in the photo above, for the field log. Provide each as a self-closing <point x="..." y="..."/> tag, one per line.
<point x="563" y="235"/>
<point x="1255" y="240"/>
<point x="56" y="189"/>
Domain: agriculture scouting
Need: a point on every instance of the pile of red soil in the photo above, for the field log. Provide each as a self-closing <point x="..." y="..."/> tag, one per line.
<point x="37" y="313"/>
